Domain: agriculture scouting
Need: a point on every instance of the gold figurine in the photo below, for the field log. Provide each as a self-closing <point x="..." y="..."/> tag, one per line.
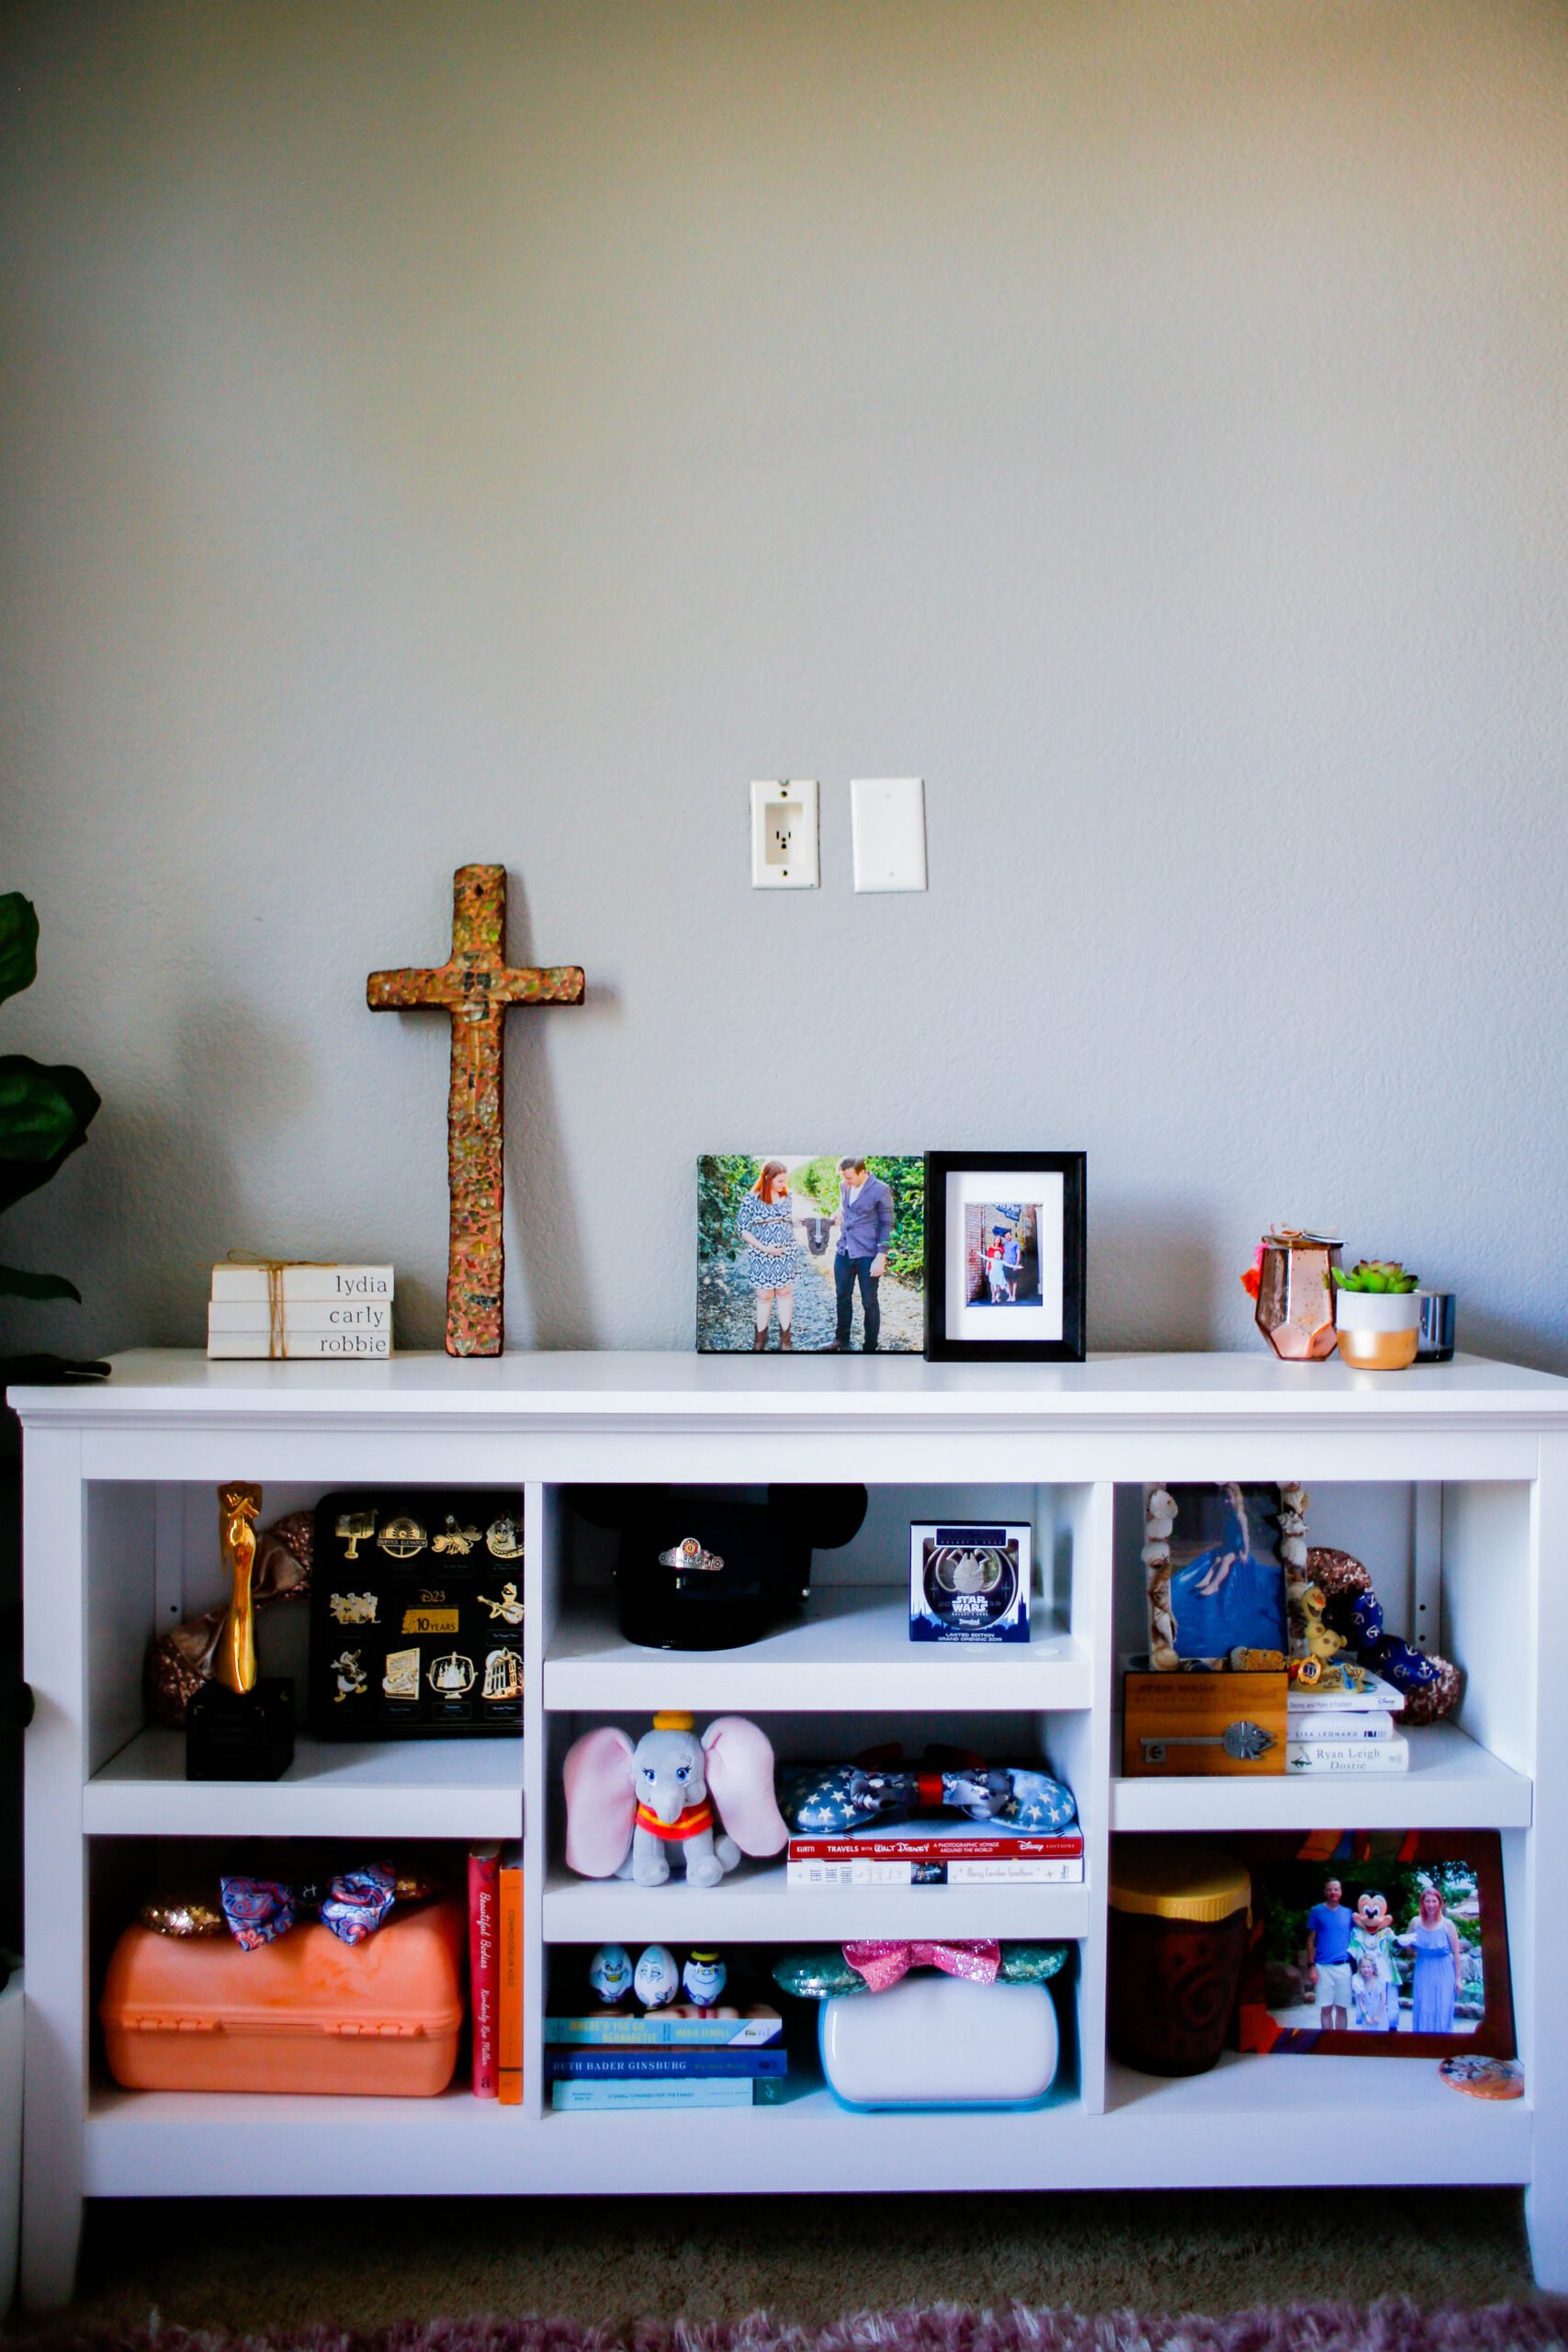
<point x="235" y="1663"/>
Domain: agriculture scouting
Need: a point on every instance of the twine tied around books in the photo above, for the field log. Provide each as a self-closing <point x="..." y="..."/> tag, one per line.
<point x="273" y="1269"/>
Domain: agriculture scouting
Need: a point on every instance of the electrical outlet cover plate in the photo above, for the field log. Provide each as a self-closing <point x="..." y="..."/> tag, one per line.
<point x="888" y="818"/>
<point x="783" y="835"/>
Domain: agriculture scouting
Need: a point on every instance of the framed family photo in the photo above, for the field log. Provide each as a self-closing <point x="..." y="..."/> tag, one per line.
<point x="1377" y="1944"/>
<point x="811" y="1253"/>
<point x="1005" y="1248"/>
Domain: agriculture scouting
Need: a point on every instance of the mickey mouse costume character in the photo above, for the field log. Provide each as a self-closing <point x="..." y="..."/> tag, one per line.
<point x="1371" y="1938"/>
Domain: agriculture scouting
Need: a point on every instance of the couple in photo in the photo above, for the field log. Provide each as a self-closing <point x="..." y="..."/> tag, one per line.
<point x="1002" y="1253"/>
<point x="1003" y="1260"/>
<point x="775" y="1252"/>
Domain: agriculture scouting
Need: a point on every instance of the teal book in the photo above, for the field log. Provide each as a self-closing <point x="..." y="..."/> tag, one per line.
<point x="659" y="2030"/>
<point x="710" y="2090"/>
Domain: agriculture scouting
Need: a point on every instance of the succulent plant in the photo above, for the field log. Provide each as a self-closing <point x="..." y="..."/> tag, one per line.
<point x="1376" y="1274"/>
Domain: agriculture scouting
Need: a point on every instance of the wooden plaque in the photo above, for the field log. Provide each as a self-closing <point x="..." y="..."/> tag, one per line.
<point x="1162" y="1712"/>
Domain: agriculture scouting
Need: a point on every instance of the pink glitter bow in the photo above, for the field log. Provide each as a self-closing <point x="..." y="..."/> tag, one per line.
<point x="882" y="1964"/>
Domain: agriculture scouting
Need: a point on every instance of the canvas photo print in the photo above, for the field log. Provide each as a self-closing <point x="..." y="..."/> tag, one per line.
<point x="1001" y="1253"/>
<point x="1392" y="1953"/>
<point x="811" y="1253"/>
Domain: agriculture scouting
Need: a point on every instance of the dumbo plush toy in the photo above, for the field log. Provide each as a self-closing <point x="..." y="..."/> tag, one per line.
<point x="634" y="1812"/>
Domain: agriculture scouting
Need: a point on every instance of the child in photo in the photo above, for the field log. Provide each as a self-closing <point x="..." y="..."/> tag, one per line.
<point x="1371" y="1993"/>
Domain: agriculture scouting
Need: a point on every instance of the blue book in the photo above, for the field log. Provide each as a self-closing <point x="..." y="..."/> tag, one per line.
<point x="664" y="2065"/>
<point x="718" y="2091"/>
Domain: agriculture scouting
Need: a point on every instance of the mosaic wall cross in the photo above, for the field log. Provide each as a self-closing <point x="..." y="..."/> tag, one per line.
<point x="476" y="986"/>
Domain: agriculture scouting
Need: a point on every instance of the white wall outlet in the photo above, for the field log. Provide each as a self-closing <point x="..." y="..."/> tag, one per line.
<point x="783" y="836"/>
<point x="887" y="819"/>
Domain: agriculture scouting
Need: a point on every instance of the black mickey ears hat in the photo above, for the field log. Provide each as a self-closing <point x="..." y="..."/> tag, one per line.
<point x="825" y="1518"/>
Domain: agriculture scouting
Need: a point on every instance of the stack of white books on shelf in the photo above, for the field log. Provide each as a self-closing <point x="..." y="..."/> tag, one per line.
<point x="1345" y="1731"/>
<point x="293" y="1309"/>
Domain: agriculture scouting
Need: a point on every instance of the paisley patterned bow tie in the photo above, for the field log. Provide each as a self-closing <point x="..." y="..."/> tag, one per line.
<point x="354" y="1905"/>
<point x="882" y="1964"/>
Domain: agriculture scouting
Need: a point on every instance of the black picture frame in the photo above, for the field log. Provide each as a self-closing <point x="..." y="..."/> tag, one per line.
<point x="953" y="1312"/>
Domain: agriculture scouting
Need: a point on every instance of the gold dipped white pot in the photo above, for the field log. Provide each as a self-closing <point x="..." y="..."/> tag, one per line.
<point x="1379" y="1329"/>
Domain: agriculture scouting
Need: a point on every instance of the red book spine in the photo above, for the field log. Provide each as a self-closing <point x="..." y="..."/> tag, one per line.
<point x="484" y="1965"/>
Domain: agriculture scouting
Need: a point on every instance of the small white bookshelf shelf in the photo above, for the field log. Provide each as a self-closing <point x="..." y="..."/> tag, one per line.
<point x="1451" y="1782"/>
<point x="452" y="1788"/>
<point x="754" y="1906"/>
<point x="851" y="1650"/>
<point x="1257" y="2110"/>
<point x="1469" y="1460"/>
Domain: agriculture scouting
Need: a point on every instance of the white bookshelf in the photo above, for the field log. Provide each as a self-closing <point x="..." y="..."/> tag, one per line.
<point x="1469" y="1460"/>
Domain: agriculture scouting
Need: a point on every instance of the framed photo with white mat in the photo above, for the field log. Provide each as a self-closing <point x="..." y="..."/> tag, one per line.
<point x="1005" y="1256"/>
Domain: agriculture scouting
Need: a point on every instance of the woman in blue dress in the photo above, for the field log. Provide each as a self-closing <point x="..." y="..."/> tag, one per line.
<point x="773" y="1258"/>
<point x="1434" y="1938"/>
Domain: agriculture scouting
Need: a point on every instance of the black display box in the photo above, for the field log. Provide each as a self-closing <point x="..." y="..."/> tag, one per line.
<point x="416" y="1613"/>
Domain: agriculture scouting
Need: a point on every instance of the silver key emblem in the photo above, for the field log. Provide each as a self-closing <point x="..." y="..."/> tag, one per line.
<point x="1244" y="1743"/>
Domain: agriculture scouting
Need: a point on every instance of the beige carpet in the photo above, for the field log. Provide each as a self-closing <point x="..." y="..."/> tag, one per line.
<point x="230" y="2262"/>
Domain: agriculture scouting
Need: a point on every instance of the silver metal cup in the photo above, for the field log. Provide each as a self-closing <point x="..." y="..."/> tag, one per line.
<point x="1435" y="1342"/>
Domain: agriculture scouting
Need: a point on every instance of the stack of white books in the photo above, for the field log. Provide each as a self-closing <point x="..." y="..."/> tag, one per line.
<point x="300" y="1310"/>
<point x="1345" y="1731"/>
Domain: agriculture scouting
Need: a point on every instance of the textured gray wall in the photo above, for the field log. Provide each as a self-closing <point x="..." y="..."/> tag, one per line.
<point x="439" y="431"/>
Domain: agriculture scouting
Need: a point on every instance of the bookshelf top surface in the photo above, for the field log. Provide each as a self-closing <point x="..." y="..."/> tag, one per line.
<point x="153" y="1385"/>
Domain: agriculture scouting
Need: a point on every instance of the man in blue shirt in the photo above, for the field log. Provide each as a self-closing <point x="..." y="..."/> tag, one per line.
<point x="1011" y="1259"/>
<point x="1328" y="1956"/>
<point x="865" y="1228"/>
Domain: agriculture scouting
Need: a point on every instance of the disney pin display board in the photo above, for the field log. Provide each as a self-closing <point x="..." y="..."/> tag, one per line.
<point x="416" y="1613"/>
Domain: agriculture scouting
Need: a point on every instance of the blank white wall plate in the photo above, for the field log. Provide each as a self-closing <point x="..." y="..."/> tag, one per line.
<point x="783" y="835"/>
<point x="887" y="820"/>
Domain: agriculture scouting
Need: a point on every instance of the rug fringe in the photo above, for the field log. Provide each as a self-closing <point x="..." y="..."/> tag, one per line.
<point x="1394" y="2325"/>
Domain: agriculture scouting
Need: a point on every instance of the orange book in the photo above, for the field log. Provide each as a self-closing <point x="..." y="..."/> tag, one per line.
<point x="509" y="2014"/>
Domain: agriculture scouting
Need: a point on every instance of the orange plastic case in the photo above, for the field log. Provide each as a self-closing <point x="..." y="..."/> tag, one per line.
<point x="378" y="2019"/>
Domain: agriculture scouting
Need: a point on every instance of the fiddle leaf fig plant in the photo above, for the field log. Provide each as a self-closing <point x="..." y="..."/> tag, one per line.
<point x="45" y="1112"/>
<point x="1384" y="1274"/>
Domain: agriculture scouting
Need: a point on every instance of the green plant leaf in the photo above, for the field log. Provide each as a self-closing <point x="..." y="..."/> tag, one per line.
<point x="44" y="1117"/>
<point x="18" y="943"/>
<point x="15" y="1284"/>
<point x="47" y="1372"/>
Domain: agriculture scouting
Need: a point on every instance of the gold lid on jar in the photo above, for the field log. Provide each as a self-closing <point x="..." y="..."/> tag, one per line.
<point x="1165" y="1880"/>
